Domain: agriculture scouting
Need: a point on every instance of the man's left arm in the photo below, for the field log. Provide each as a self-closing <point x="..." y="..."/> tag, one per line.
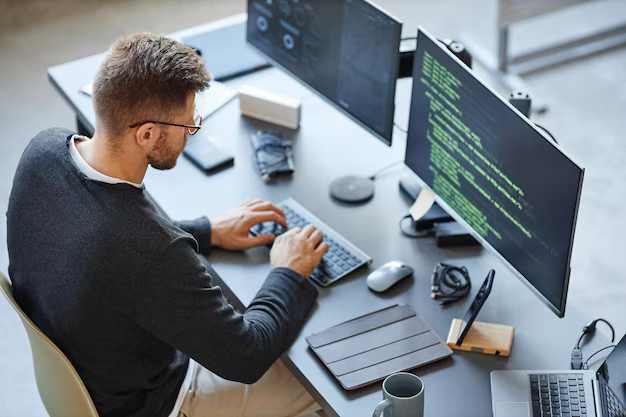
<point x="232" y="229"/>
<point x="200" y="229"/>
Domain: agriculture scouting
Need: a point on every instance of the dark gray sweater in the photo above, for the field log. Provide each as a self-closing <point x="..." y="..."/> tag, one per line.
<point x="123" y="293"/>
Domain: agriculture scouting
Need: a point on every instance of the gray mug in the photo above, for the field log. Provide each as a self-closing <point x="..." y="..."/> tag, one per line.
<point x="403" y="396"/>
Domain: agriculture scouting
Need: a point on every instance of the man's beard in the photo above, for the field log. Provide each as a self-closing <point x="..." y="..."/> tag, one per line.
<point x="163" y="156"/>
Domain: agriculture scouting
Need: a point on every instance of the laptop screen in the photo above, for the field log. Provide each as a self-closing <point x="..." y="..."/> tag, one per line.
<point x="612" y="381"/>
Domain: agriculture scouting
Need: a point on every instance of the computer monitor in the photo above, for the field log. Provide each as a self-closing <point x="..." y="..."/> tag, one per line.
<point x="346" y="50"/>
<point x="493" y="170"/>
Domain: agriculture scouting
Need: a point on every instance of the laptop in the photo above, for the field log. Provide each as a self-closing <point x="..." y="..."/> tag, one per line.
<point x="577" y="393"/>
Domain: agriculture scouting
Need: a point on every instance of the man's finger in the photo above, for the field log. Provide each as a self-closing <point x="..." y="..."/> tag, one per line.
<point x="249" y="203"/>
<point x="321" y="249"/>
<point x="316" y="237"/>
<point x="308" y="230"/>
<point x="266" y="206"/>
<point x="261" y="240"/>
<point x="257" y="217"/>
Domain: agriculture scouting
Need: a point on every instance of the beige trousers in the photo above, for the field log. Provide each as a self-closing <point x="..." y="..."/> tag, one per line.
<point x="277" y="394"/>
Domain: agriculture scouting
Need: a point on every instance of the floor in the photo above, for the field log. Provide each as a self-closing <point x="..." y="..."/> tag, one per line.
<point x="587" y="114"/>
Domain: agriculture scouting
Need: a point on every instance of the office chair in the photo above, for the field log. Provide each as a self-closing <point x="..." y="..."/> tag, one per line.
<point x="60" y="387"/>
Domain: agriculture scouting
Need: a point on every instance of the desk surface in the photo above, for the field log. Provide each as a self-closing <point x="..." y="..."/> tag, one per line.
<point x="326" y="146"/>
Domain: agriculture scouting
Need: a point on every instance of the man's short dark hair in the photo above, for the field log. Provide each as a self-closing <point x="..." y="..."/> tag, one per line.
<point x="145" y="77"/>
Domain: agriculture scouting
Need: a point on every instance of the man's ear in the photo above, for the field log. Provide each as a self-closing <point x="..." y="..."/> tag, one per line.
<point x="147" y="135"/>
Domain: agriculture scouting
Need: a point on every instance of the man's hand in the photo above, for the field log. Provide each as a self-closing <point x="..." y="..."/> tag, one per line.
<point x="300" y="250"/>
<point x="232" y="229"/>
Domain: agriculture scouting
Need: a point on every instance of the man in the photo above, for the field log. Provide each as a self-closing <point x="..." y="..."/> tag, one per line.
<point x="120" y="289"/>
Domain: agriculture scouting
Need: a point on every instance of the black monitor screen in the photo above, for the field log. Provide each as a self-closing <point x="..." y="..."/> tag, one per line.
<point x="516" y="189"/>
<point x="612" y="381"/>
<point x="347" y="50"/>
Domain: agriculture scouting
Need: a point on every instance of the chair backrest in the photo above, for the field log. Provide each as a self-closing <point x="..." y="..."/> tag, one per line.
<point x="60" y="387"/>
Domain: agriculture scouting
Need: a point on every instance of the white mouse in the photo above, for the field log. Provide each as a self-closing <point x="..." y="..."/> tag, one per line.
<point x="387" y="275"/>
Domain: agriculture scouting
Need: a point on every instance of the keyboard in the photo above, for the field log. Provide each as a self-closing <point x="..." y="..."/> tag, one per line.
<point x="342" y="257"/>
<point x="558" y="395"/>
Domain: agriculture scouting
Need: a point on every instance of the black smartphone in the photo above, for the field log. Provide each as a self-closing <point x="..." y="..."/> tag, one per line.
<point x="207" y="154"/>
<point x="477" y="304"/>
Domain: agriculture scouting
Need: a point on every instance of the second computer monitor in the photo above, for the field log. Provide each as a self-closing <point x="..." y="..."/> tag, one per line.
<point x="493" y="170"/>
<point x="347" y="50"/>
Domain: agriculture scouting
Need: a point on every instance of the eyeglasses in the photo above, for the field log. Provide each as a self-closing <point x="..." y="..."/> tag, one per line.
<point x="191" y="129"/>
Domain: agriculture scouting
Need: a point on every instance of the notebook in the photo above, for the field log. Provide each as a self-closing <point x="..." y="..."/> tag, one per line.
<point x="369" y="348"/>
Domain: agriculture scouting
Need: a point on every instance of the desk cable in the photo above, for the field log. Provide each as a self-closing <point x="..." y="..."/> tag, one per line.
<point x="589" y="329"/>
<point x="449" y="283"/>
<point x="380" y="171"/>
<point x="401" y="129"/>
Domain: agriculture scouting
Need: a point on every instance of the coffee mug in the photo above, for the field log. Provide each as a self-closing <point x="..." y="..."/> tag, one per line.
<point x="403" y="396"/>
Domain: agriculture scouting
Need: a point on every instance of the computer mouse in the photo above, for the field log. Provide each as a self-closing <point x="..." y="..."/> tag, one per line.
<point x="387" y="275"/>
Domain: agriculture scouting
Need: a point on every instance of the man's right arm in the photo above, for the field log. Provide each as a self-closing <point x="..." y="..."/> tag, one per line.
<point x="176" y="302"/>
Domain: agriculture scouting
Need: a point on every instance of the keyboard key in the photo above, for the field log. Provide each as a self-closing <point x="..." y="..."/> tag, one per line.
<point x="553" y="378"/>
<point x="546" y="396"/>
<point x="571" y="377"/>
<point x="545" y="389"/>
<point x="562" y="377"/>
<point x="536" y="408"/>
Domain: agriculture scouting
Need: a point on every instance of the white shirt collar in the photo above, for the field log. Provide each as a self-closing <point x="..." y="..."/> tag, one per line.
<point x="90" y="172"/>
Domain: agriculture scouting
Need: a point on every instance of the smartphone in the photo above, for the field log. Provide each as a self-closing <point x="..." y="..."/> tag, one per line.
<point x="207" y="154"/>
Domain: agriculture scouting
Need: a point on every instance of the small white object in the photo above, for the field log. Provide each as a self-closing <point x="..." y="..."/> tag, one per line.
<point x="387" y="275"/>
<point x="214" y="98"/>
<point x="87" y="89"/>
<point x="269" y="107"/>
<point x="423" y="203"/>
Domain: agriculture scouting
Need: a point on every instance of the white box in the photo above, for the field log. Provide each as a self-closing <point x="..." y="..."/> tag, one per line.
<point x="269" y="107"/>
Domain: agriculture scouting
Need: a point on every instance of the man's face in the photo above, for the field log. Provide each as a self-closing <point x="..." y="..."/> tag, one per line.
<point x="173" y="139"/>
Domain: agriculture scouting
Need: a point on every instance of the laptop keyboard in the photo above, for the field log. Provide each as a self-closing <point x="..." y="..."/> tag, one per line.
<point x="558" y="395"/>
<point x="342" y="257"/>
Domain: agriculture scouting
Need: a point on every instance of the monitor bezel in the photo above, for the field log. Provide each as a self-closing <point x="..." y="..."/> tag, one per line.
<point x="560" y="309"/>
<point x="388" y="136"/>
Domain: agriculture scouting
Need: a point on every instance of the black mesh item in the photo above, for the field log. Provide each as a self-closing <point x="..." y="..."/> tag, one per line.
<point x="272" y="154"/>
